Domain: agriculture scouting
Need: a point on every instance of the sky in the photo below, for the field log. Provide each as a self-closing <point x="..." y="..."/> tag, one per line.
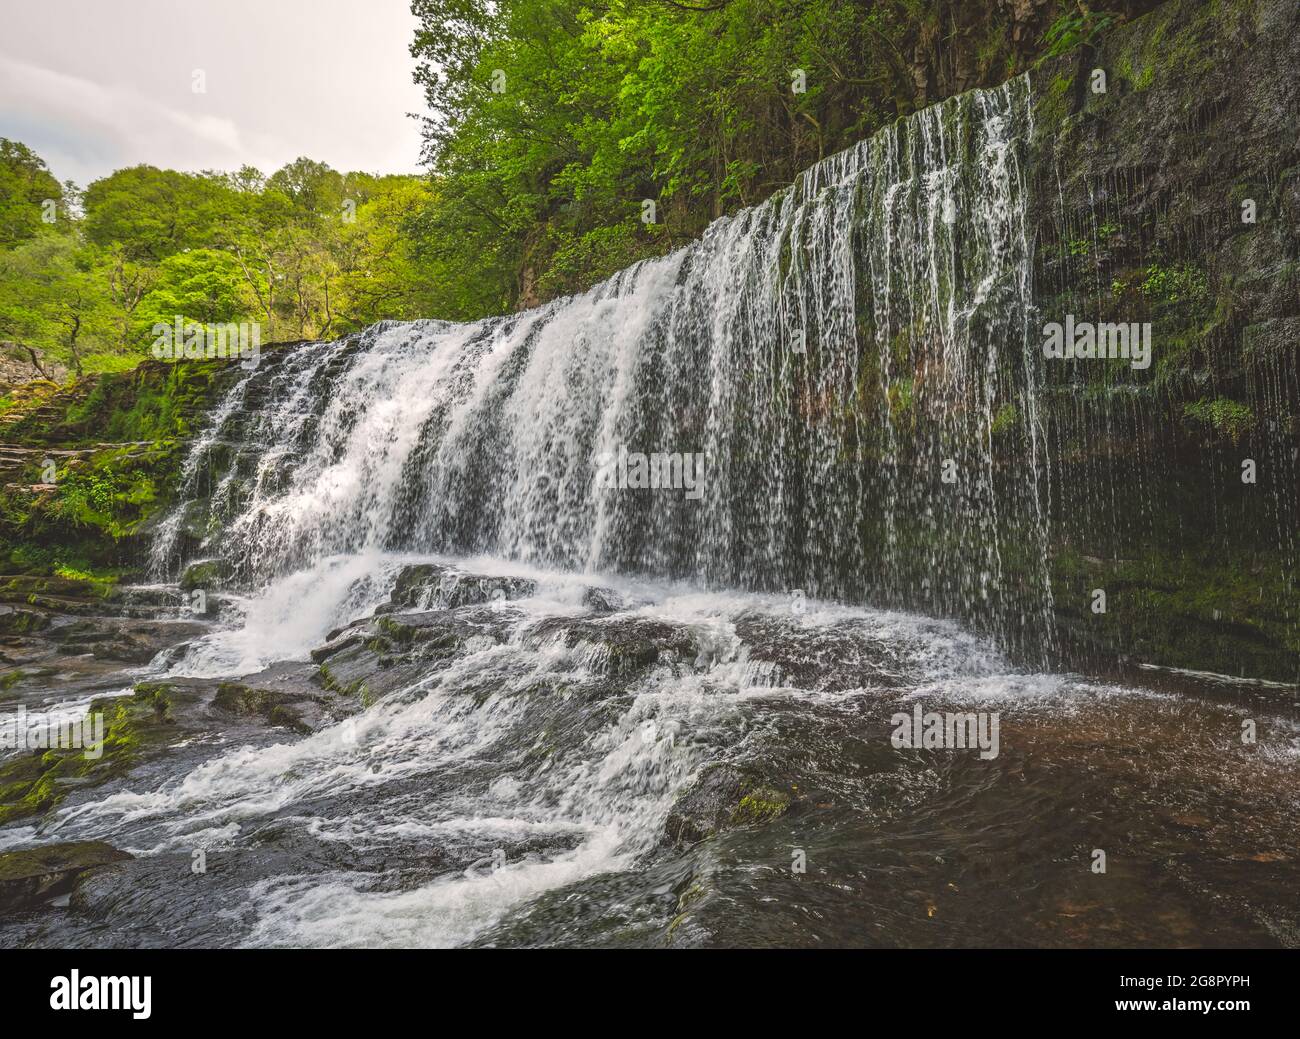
<point x="95" y="85"/>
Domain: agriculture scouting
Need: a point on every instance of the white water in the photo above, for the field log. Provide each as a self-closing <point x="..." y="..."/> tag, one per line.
<point x="828" y="353"/>
<point x="609" y="792"/>
<point x="757" y="347"/>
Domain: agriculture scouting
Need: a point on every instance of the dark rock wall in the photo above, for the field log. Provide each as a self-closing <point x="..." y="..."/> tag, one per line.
<point x="1143" y="196"/>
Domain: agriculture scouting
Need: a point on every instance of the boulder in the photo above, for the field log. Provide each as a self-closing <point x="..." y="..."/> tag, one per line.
<point x="32" y="875"/>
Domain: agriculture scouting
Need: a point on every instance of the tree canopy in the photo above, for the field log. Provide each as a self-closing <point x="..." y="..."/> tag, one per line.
<point x="551" y="122"/>
<point x="307" y="252"/>
<point x="565" y="139"/>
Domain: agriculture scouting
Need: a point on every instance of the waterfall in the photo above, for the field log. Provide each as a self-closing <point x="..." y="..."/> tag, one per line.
<point x="588" y="616"/>
<point x="844" y="368"/>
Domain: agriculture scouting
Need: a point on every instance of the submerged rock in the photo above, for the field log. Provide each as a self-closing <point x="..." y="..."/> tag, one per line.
<point x="827" y="658"/>
<point x="603" y="600"/>
<point x="725" y="796"/>
<point x="620" y="645"/>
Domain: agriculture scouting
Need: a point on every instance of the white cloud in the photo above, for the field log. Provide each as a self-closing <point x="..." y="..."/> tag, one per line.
<point x="114" y="122"/>
<point x="330" y="79"/>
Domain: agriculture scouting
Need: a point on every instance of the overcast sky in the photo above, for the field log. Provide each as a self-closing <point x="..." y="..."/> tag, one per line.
<point x="95" y="85"/>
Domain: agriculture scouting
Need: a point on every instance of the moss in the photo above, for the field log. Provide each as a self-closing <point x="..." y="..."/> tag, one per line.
<point x="31" y="876"/>
<point x="329" y="682"/>
<point x="242" y="700"/>
<point x="127" y="430"/>
<point x="760" y="805"/>
<point x="1005" y="420"/>
<point x="900" y="403"/>
<point x="55" y="591"/>
<point x="402" y="634"/>
<point x="1228" y="418"/>
<point x="1226" y="613"/>
<point x="1054" y="102"/>
<point x="34" y="783"/>
<point x="205" y="574"/>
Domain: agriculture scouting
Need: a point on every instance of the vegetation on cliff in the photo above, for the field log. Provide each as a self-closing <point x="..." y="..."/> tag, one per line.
<point x="85" y="467"/>
<point x="307" y="252"/>
<point x="551" y="126"/>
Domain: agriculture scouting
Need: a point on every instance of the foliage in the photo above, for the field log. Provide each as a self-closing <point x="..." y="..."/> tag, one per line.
<point x="1076" y="28"/>
<point x="306" y="253"/>
<point x="1229" y="418"/>
<point x="25" y="185"/>
<point x="552" y="121"/>
<point x="551" y="125"/>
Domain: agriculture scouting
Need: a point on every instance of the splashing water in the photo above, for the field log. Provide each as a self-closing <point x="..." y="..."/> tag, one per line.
<point x="829" y="355"/>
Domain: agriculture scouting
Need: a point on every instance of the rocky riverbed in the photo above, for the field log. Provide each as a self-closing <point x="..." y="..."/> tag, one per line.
<point x="485" y="754"/>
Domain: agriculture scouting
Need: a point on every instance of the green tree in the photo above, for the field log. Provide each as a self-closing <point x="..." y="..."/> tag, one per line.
<point x="27" y="188"/>
<point x="53" y="299"/>
<point x="151" y="213"/>
<point x="203" y="285"/>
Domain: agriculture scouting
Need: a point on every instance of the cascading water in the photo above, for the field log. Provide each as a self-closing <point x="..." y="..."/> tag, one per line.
<point x="838" y="358"/>
<point x="535" y="692"/>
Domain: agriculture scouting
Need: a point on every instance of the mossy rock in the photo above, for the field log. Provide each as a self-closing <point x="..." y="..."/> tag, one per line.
<point x="36" y="589"/>
<point x="626" y="645"/>
<point x="725" y="796"/>
<point x="33" y="783"/>
<point x="240" y="700"/>
<point x="206" y="574"/>
<point x="23" y="622"/>
<point x="32" y="875"/>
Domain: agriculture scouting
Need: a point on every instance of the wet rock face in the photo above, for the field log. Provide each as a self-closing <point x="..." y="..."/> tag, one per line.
<point x="86" y="651"/>
<point x="30" y="876"/>
<point x="1172" y="198"/>
<point x="205" y="574"/>
<point x="821" y="658"/>
<point x="377" y="655"/>
<point x="161" y="727"/>
<point x="242" y="701"/>
<point x="603" y="600"/>
<point x="427" y="585"/>
<point x="620" y="646"/>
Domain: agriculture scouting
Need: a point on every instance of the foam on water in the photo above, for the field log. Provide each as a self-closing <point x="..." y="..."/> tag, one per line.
<point x="820" y="352"/>
<point x="607" y="793"/>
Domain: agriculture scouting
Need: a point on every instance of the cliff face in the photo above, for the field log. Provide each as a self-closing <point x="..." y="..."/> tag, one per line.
<point x="1163" y="191"/>
<point x="1168" y="192"/>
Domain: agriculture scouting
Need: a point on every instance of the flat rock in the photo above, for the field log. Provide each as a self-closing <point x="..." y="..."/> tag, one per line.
<point x="32" y="875"/>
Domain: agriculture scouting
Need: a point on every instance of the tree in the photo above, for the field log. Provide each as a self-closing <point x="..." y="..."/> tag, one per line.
<point x="53" y="299"/>
<point x="151" y="213"/>
<point x="203" y="285"/>
<point x="28" y="191"/>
